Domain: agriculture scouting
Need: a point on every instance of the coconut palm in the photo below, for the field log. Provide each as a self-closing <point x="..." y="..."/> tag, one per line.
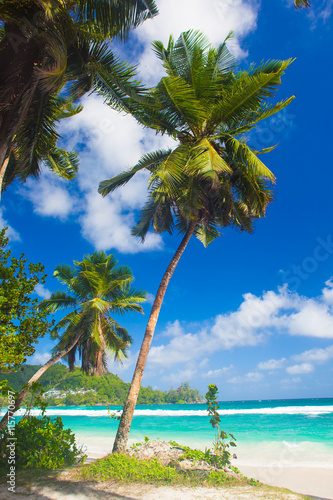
<point x="99" y="289"/>
<point x="36" y="142"/>
<point x="46" y="46"/>
<point x="212" y="179"/>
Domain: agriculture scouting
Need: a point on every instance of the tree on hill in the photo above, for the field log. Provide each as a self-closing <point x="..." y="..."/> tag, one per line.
<point x="212" y="179"/>
<point x="99" y="289"/>
<point x="59" y="45"/>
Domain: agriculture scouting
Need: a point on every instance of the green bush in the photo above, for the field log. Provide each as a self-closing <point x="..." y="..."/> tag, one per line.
<point x="41" y="443"/>
<point x="129" y="469"/>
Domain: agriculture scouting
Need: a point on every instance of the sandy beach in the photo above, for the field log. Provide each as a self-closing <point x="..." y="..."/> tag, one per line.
<point x="314" y="481"/>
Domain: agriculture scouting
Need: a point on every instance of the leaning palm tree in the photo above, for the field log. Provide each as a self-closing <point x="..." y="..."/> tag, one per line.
<point x="212" y="179"/>
<point x="46" y="46"/>
<point x="99" y="289"/>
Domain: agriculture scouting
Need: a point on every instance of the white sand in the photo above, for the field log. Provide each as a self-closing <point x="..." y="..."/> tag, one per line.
<point x="314" y="481"/>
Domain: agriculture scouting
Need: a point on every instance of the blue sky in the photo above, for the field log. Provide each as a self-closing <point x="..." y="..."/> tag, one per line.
<point x="251" y="313"/>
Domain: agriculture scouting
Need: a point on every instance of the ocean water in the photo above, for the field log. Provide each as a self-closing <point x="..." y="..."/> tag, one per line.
<point x="281" y="432"/>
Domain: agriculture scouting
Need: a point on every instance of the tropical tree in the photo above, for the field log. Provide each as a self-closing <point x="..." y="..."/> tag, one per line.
<point x="36" y="142"/>
<point x="61" y="45"/>
<point x="99" y="289"/>
<point x="212" y="179"/>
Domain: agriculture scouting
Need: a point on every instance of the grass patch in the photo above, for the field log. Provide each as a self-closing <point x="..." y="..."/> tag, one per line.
<point x="119" y="467"/>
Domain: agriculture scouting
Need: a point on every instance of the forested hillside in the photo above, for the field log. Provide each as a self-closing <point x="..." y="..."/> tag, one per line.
<point x="64" y="388"/>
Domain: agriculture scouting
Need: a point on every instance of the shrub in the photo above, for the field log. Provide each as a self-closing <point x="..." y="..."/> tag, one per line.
<point x="41" y="443"/>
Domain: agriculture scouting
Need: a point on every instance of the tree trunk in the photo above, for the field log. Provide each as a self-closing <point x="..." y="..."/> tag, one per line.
<point x="100" y="352"/>
<point x="127" y="414"/>
<point x="2" y="172"/>
<point x="34" y="378"/>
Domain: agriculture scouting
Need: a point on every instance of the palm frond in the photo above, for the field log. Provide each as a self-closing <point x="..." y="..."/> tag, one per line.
<point x="149" y="161"/>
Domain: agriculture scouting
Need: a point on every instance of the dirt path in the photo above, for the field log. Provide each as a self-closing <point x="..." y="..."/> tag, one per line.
<point x="61" y="486"/>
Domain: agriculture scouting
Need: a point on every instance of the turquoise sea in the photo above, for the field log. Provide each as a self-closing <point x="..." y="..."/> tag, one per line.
<point x="288" y="432"/>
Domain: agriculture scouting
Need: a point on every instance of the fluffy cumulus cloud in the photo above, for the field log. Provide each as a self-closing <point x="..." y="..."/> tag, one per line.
<point x="216" y="20"/>
<point x="316" y="355"/>
<point x="49" y="196"/>
<point x="42" y="292"/>
<point x="300" y="369"/>
<point x="254" y="322"/>
<point x="109" y="142"/>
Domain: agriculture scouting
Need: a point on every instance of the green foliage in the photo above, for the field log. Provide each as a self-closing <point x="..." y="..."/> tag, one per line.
<point x="129" y="469"/>
<point x="98" y="289"/>
<point x="51" y="54"/>
<point x="109" y="388"/>
<point x="21" y="324"/>
<point x="221" y="455"/>
<point x="41" y="443"/>
<point x="212" y="178"/>
<point x="121" y="467"/>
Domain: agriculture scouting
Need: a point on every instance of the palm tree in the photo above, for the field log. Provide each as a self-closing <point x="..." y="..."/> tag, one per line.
<point x="36" y="142"/>
<point x="212" y="179"/>
<point x="99" y="289"/>
<point x="46" y="46"/>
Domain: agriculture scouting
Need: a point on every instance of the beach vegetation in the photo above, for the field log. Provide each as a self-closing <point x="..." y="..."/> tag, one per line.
<point x="62" y="388"/>
<point x="223" y="441"/>
<point x="212" y="178"/>
<point x="22" y="325"/>
<point x="127" y="469"/>
<point x="99" y="289"/>
<point x="41" y="442"/>
<point x="54" y="52"/>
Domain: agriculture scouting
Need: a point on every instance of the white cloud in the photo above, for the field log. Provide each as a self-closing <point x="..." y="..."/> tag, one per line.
<point x="257" y="318"/>
<point x="218" y="372"/>
<point x="39" y="358"/>
<point x="300" y="369"/>
<point x="110" y="142"/>
<point x="248" y="378"/>
<point x="42" y="292"/>
<point x="180" y="376"/>
<point x="215" y="20"/>
<point x="150" y="297"/>
<point x="50" y="196"/>
<point x="272" y="364"/>
<point x="11" y="233"/>
<point x="106" y="227"/>
<point x="315" y="355"/>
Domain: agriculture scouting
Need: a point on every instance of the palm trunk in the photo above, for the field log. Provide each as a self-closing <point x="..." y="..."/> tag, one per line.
<point x="128" y="411"/>
<point x="34" y="378"/>
<point x="100" y="352"/>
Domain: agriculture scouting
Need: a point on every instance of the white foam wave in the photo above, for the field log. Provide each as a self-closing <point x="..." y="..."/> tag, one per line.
<point x="283" y="410"/>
